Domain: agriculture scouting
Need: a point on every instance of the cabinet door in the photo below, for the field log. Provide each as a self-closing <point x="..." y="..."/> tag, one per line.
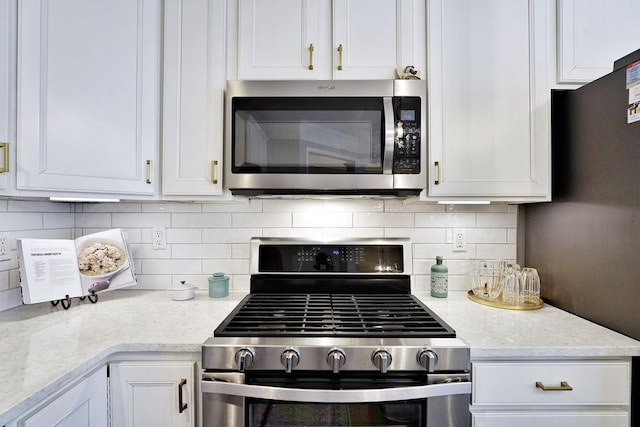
<point x="372" y="38"/>
<point x="152" y="394"/>
<point x="7" y="94"/>
<point x="552" y="419"/>
<point x="275" y="39"/>
<point x="592" y="34"/>
<point x="85" y="404"/>
<point x="194" y="79"/>
<point x="489" y="102"/>
<point x="88" y="95"/>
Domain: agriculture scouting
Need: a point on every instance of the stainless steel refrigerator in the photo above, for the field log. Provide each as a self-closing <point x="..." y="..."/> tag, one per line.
<point x="585" y="243"/>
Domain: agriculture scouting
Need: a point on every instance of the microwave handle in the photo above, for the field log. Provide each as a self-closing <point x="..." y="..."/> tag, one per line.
<point x="389" y="135"/>
<point x="335" y="396"/>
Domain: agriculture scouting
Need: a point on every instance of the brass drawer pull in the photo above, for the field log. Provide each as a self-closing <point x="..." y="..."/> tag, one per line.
<point x="340" y="49"/>
<point x="148" y="171"/>
<point x="439" y="170"/>
<point x="5" y="163"/>
<point x="214" y="163"/>
<point x="311" y="56"/>
<point x="564" y="386"/>
<point x="181" y="406"/>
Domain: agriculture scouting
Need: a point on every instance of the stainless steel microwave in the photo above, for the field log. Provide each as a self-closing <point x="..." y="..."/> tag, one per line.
<point x="343" y="137"/>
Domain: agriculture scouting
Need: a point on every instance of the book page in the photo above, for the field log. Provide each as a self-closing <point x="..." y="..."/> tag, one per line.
<point x="49" y="268"/>
<point x="104" y="261"/>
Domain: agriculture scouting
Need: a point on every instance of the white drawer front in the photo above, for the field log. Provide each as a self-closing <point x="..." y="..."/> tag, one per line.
<point x="602" y="382"/>
<point x="564" y="419"/>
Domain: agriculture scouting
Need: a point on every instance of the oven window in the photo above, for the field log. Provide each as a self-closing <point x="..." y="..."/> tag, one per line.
<point x="274" y="413"/>
<point x="308" y="135"/>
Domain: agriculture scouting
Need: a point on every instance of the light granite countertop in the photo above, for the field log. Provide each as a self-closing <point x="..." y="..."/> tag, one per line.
<point x="45" y="347"/>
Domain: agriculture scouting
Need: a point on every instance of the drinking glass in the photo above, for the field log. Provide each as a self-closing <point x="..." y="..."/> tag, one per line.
<point x="513" y="289"/>
<point x="487" y="277"/>
<point x="531" y="283"/>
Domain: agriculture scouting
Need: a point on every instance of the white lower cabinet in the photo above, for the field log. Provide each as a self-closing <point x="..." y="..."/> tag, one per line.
<point x="586" y="393"/>
<point x="155" y="394"/>
<point x="84" y="404"/>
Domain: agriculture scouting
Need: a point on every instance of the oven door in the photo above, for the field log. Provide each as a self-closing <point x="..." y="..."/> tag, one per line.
<point x="317" y="400"/>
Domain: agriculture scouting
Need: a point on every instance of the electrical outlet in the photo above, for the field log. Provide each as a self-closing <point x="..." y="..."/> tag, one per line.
<point x="459" y="241"/>
<point x="4" y="246"/>
<point x="159" y="238"/>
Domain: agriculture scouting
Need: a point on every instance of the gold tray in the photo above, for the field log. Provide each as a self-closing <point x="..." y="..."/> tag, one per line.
<point x="499" y="304"/>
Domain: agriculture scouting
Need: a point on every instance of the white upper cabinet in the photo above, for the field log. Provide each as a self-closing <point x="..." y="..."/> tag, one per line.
<point x="323" y="39"/>
<point x="7" y="94"/>
<point x="592" y="34"/>
<point x="88" y="96"/>
<point x="489" y="100"/>
<point x="194" y="80"/>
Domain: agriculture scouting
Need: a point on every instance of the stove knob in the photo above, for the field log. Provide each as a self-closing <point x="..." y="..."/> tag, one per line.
<point x="336" y="359"/>
<point x="428" y="359"/>
<point x="382" y="360"/>
<point x="289" y="359"/>
<point x="244" y="358"/>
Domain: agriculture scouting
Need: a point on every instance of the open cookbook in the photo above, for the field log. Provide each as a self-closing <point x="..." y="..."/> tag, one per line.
<point x="54" y="269"/>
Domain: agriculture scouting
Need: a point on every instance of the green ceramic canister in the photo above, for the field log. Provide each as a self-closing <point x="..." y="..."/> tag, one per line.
<point x="218" y="285"/>
<point x="439" y="279"/>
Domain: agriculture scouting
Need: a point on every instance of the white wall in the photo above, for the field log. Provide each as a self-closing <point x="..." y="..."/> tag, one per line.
<point x="203" y="238"/>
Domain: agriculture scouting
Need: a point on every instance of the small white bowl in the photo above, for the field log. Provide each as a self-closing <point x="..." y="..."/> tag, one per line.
<point x="183" y="293"/>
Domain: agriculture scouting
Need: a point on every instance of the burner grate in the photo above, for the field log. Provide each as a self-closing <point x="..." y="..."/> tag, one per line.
<point x="354" y="315"/>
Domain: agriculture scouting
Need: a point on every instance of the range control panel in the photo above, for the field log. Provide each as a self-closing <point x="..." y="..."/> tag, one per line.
<point x="317" y="258"/>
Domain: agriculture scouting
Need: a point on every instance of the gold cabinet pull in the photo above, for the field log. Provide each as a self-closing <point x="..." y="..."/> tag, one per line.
<point x="439" y="170"/>
<point x="181" y="406"/>
<point x="5" y="163"/>
<point x="311" y="56"/>
<point x="214" y="163"/>
<point x="340" y="49"/>
<point x="148" y="171"/>
<point x="564" y="386"/>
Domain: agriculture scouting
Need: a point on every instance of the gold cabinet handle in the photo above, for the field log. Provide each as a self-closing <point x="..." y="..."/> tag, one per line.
<point x="181" y="406"/>
<point x="5" y="163"/>
<point x="148" y="171"/>
<point x="564" y="386"/>
<point x="311" y="56"/>
<point x="340" y="49"/>
<point x="439" y="176"/>
<point x="214" y="163"/>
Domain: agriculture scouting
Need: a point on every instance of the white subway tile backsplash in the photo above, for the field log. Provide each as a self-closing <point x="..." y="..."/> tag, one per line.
<point x="58" y="220"/>
<point x="109" y="207"/>
<point x="503" y="220"/>
<point x="14" y="221"/>
<point x="378" y="219"/>
<point x="200" y="251"/>
<point x="437" y="219"/>
<point x="230" y="235"/>
<point x="204" y="238"/>
<point x="266" y="219"/>
<point x="93" y="220"/>
<point x="227" y="266"/>
<point x="184" y="235"/>
<point x="322" y="219"/>
<point x="201" y="220"/>
<point x="171" y="266"/>
<point x="139" y="220"/>
<point x="38" y="206"/>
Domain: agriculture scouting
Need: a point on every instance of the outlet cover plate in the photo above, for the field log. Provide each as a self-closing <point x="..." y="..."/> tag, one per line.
<point x="159" y="238"/>
<point x="4" y="246"/>
<point x="459" y="240"/>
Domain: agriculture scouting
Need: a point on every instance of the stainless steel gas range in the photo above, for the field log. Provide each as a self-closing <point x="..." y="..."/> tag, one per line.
<point x="330" y="335"/>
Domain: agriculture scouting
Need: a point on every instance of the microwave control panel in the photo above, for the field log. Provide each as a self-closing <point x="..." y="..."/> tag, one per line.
<point x="406" y="153"/>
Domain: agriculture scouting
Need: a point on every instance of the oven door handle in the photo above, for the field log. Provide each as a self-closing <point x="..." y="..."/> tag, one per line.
<point x="335" y="396"/>
<point x="389" y="135"/>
